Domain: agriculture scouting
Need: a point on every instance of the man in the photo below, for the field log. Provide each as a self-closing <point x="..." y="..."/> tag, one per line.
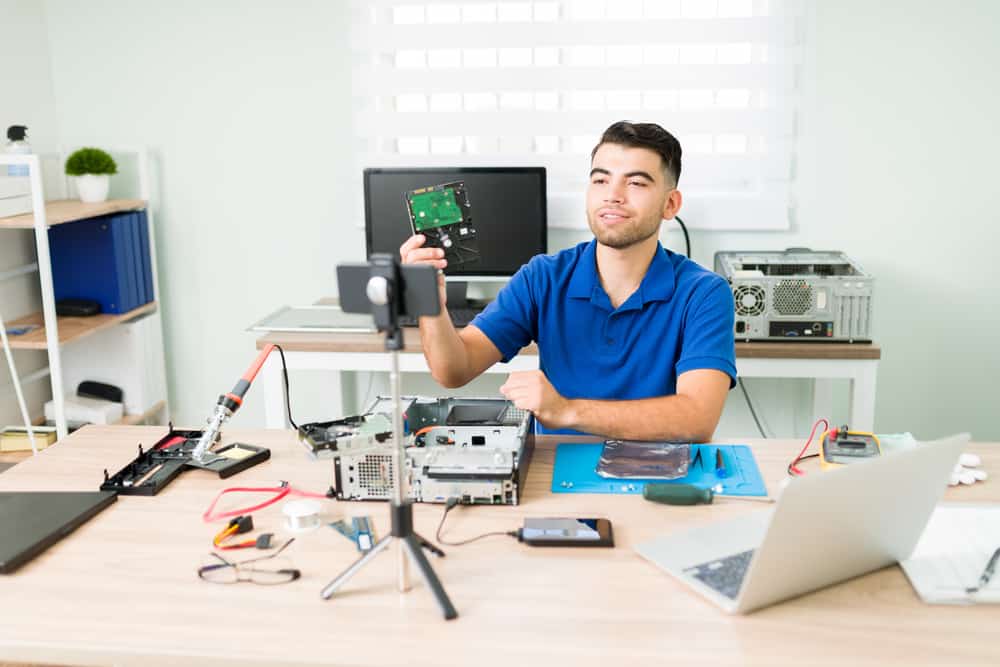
<point x="635" y="342"/>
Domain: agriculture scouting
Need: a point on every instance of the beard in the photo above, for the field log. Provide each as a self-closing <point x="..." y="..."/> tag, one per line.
<point x="623" y="236"/>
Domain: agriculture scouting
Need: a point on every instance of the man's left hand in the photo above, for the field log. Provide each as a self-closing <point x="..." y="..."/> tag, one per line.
<point x="531" y="390"/>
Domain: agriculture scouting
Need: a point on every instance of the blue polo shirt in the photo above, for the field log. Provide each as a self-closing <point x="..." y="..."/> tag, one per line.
<point x="680" y="319"/>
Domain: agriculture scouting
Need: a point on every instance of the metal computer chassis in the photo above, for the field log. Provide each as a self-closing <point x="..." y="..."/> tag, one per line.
<point x="798" y="295"/>
<point x="473" y="449"/>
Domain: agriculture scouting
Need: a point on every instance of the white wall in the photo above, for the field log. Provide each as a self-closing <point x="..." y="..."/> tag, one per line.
<point x="26" y="98"/>
<point x="246" y="105"/>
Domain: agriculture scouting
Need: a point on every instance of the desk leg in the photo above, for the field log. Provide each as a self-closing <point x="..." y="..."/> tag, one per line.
<point x="863" y="398"/>
<point x="349" y="393"/>
<point x="823" y="399"/>
<point x="360" y="388"/>
<point x="274" y="393"/>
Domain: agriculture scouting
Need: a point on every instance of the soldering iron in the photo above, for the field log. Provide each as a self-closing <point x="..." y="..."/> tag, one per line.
<point x="227" y="406"/>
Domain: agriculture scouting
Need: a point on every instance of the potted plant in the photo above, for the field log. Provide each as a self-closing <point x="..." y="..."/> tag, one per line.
<point x="92" y="169"/>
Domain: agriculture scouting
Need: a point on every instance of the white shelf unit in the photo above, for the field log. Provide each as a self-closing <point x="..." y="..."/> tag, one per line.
<point x="57" y="331"/>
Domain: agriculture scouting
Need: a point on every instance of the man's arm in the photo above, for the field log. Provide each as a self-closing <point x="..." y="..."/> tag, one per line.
<point x="453" y="358"/>
<point x="691" y="414"/>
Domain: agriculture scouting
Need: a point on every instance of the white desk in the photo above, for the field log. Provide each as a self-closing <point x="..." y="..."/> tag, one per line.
<point x="353" y="352"/>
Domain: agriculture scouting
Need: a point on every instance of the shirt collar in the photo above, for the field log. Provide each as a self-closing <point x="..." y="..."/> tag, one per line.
<point x="657" y="285"/>
<point x="659" y="282"/>
<point x="584" y="279"/>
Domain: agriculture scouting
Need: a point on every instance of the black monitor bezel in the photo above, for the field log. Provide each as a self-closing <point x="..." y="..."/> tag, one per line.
<point x="460" y="273"/>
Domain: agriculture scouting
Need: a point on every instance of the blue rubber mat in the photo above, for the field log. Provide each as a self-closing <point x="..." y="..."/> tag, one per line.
<point x="575" y="471"/>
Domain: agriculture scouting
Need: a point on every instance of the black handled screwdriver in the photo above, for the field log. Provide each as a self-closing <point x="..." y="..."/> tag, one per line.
<point x="677" y="494"/>
<point x="688" y="494"/>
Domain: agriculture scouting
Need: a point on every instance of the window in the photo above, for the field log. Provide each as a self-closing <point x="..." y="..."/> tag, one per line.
<point x="535" y="83"/>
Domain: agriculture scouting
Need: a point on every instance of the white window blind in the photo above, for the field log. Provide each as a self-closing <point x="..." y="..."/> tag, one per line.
<point x="535" y="83"/>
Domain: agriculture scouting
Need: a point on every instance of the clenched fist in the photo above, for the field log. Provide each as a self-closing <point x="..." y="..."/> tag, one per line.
<point x="531" y="390"/>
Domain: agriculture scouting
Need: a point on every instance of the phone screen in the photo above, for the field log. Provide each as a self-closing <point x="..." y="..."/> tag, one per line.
<point x="566" y="531"/>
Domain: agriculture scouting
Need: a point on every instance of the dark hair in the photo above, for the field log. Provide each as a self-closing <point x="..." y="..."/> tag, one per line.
<point x="645" y="135"/>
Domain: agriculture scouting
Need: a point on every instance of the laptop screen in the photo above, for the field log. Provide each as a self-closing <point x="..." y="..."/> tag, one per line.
<point x="32" y="521"/>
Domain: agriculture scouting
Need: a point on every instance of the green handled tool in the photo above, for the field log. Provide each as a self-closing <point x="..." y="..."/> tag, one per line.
<point x="677" y="494"/>
<point x="689" y="494"/>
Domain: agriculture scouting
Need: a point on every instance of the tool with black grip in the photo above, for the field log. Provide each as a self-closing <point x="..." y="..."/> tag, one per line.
<point x="689" y="494"/>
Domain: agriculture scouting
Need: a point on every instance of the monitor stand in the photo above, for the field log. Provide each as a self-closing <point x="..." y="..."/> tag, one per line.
<point x="458" y="297"/>
<point x="457" y="294"/>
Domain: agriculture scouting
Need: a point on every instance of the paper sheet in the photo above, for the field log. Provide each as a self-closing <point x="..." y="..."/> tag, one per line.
<point x="952" y="552"/>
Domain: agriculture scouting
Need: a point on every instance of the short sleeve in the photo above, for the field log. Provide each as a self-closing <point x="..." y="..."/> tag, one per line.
<point x="511" y="320"/>
<point x="709" y="341"/>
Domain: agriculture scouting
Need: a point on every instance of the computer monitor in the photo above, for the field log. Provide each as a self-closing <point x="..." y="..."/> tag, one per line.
<point x="508" y="211"/>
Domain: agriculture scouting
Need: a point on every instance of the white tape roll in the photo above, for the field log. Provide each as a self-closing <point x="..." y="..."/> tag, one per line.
<point x="301" y="515"/>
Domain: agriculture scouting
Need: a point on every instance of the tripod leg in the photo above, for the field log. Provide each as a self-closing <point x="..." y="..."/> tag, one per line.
<point x="343" y="577"/>
<point x="412" y="545"/>
<point x="427" y="544"/>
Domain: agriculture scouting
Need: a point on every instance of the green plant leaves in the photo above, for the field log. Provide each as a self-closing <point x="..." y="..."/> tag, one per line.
<point x="90" y="161"/>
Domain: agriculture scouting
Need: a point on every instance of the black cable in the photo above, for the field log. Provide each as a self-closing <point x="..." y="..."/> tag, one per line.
<point x="753" y="412"/>
<point x="288" y="396"/>
<point x="452" y="502"/>
<point x="687" y="239"/>
<point x="808" y="456"/>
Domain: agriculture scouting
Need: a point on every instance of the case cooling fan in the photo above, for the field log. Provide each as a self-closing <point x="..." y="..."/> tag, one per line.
<point x="749" y="300"/>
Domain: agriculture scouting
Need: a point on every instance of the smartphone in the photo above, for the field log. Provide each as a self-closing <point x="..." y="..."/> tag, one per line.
<point x="566" y="532"/>
<point x="418" y="293"/>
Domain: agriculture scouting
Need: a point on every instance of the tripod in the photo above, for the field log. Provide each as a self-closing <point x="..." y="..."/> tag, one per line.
<point x="383" y="278"/>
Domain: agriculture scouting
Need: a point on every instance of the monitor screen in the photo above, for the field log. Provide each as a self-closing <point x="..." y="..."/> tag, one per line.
<point x="508" y="212"/>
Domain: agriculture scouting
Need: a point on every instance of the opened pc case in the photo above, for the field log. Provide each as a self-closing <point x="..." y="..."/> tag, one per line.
<point x="474" y="449"/>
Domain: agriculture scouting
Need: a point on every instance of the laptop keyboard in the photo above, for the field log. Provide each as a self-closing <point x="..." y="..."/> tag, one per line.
<point x="459" y="317"/>
<point x="724" y="575"/>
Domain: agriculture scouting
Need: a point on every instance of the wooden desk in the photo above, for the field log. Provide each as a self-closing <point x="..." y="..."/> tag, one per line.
<point x="349" y="353"/>
<point x="123" y="590"/>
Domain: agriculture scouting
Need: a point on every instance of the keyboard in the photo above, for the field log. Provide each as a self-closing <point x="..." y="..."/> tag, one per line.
<point x="459" y="317"/>
<point x="724" y="575"/>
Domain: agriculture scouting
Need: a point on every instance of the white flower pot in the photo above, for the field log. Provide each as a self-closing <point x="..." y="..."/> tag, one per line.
<point x="93" y="187"/>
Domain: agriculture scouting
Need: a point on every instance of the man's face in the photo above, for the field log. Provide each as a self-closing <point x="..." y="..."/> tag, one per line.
<point x="628" y="195"/>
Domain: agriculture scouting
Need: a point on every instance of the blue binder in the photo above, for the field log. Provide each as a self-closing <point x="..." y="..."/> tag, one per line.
<point x="145" y="257"/>
<point x="97" y="259"/>
<point x="575" y="471"/>
<point x="132" y="266"/>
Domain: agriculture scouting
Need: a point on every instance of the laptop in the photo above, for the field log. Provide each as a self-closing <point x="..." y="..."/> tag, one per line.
<point x="825" y="528"/>
<point x="31" y="522"/>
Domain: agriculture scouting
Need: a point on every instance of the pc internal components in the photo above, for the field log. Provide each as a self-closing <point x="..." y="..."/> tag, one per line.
<point x="474" y="449"/>
<point x="443" y="214"/>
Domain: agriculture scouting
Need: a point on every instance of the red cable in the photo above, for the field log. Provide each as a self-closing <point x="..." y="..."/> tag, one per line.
<point x="798" y="458"/>
<point x="280" y="491"/>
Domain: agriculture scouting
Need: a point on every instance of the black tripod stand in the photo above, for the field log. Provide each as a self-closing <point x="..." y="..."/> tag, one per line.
<point x="386" y="289"/>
